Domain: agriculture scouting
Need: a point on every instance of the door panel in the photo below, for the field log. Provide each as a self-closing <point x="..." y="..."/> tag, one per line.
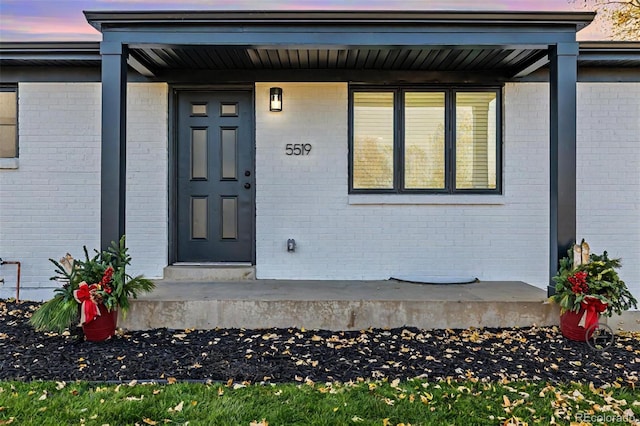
<point x="215" y="173"/>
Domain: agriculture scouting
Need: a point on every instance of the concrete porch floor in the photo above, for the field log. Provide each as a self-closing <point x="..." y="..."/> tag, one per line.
<point x="339" y="305"/>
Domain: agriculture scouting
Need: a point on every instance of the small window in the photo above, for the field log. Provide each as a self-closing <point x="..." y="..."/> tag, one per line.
<point x="8" y="122"/>
<point x="441" y="140"/>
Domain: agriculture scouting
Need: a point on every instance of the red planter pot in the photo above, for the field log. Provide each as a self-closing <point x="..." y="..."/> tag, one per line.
<point x="570" y="328"/>
<point x="103" y="327"/>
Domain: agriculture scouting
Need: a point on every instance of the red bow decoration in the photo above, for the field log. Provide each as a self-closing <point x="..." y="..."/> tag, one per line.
<point x="89" y="310"/>
<point x="592" y="308"/>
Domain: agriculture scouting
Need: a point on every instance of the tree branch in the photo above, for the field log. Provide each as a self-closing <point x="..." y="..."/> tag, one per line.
<point x="633" y="3"/>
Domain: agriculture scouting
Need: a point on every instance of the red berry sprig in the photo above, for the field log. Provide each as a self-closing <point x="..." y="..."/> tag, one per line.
<point x="106" y="279"/>
<point x="579" y="282"/>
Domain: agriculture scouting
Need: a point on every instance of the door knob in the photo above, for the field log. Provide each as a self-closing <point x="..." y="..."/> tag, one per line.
<point x="247" y="185"/>
<point x="247" y="173"/>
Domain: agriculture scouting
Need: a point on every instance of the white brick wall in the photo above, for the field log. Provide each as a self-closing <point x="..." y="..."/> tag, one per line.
<point x="608" y="173"/>
<point x="306" y="198"/>
<point x="51" y="203"/>
<point x="147" y="178"/>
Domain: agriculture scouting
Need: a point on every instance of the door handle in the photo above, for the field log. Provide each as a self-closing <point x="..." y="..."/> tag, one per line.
<point x="247" y="185"/>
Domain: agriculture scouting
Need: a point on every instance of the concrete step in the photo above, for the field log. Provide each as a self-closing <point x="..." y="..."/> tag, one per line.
<point x="212" y="272"/>
<point x="339" y="305"/>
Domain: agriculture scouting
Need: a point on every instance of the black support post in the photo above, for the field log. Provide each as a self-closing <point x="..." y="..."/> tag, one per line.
<point x="113" y="153"/>
<point x="563" y="79"/>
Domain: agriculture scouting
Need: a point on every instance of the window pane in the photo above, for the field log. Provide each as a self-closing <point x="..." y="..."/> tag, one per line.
<point x="424" y="140"/>
<point x="229" y="218"/>
<point x="198" y="153"/>
<point x="199" y="215"/>
<point x="228" y="157"/>
<point x="8" y="121"/>
<point x="229" y="110"/>
<point x="373" y="140"/>
<point x="198" y="109"/>
<point x="476" y="140"/>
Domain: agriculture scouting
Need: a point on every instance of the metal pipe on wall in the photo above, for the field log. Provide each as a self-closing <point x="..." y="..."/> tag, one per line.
<point x="13" y="262"/>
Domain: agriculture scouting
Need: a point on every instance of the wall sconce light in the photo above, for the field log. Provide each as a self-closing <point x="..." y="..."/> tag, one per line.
<point x="275" y="99"/>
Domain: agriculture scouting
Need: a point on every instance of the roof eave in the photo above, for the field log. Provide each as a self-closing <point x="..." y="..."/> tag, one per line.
<point x="99" y="18"/>
<point x="50" y="50"/>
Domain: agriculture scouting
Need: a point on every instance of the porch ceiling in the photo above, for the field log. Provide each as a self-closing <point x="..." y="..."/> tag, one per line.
<point x="508" y="61"/>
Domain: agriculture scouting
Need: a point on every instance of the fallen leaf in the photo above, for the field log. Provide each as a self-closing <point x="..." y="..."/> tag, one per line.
<point x="149" y="421"/>
<point x="505" y="401"/>
<point x="133" y="398"/>
<point x="177" y="408"/>
<point x="262" y="423"/>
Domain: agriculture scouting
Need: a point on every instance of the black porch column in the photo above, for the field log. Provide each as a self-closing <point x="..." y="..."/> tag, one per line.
<point x="114" y="126"/>
<point x="563" y="70"/>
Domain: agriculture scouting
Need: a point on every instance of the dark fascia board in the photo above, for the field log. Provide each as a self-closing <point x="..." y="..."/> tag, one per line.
<point x="98" y="19"/>
<point x="609" y="51"/>
<point x="610" y="48"/>
<point x="50" y="50"/>
<point x="609" y="45"/>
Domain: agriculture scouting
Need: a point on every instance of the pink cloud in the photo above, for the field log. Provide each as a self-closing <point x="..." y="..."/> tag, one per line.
<point x="41" y="27"/>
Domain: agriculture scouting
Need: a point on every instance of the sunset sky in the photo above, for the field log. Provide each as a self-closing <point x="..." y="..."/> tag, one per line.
<point x="59" y="20"/>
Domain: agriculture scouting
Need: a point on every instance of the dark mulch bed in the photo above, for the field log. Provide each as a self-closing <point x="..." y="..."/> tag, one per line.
<point x="289" y="355"/>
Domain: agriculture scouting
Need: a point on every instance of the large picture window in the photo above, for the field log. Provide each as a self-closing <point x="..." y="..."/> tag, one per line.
<point x="445" y="140"/>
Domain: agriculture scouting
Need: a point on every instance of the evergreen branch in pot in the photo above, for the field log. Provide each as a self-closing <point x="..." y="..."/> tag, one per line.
<point x="105" y="275"/>
<point x="596" y="278"/>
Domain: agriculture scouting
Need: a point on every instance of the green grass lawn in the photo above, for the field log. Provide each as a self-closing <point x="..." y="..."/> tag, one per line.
<point x="365" y="403"/>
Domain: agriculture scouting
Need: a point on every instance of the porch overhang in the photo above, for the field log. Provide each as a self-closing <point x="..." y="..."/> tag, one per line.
<point x="498" y="45"/>
<point x="354" y="45"/>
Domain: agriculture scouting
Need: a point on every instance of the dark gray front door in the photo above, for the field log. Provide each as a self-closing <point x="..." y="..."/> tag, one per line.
<point x="215" y="191"/>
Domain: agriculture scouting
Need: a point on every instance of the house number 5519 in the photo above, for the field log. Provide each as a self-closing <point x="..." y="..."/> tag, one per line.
<point x="297" y="148"/>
